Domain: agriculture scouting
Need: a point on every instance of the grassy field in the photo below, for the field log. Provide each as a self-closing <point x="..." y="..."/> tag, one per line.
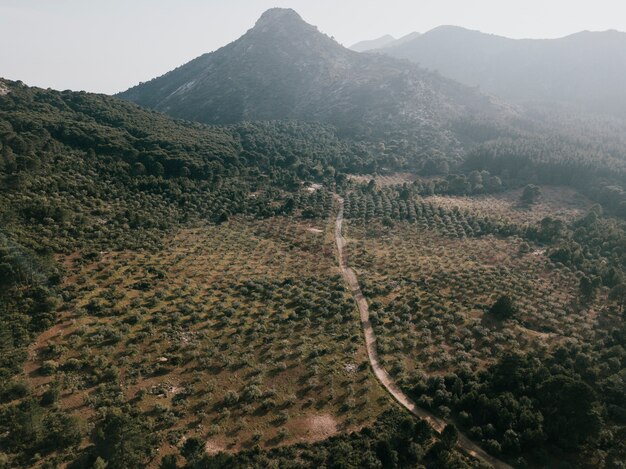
<point x="241" y="334"/>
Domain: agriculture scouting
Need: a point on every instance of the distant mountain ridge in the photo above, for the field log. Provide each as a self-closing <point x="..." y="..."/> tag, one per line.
<point x="586" y="70"/>
<point x="284" y="68"/>
<point x="382" y="42"/>
<point x="378" y="43"/>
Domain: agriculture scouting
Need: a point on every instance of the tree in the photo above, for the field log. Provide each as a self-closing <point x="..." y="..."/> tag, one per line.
<point x="139" y="169"/>
<point x="568" y="407"/>
<point x="550" y="229"/>
<point x="475" y="178"/>
<point x="504" y="307"/>
<point x="618" y="295"/>
<point x="61" y="431"/>
<point x="7" y="274"/>
<point x="386" y="454"/>
<point x="123" y="439"/>
<point x="586" y="288"/>
<point x="168" y="462"/>
<point x="100" y="463"/>
<point x="193" y="449"/>
<point x="530" y="194"/>
<point x="449" y="436"/>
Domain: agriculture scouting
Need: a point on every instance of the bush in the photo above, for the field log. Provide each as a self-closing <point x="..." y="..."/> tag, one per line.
<point x="49" y="367"/>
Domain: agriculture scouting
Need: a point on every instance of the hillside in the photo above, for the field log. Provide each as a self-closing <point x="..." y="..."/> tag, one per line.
<point x="584" y="70"/>
<point x="285" y="68"/>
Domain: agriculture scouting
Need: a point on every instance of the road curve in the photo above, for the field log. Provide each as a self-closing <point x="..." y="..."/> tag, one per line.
<point x="387" y="381"/>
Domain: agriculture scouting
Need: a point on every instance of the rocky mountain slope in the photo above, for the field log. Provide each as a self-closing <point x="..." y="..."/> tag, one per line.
<point x="284" y="68"/>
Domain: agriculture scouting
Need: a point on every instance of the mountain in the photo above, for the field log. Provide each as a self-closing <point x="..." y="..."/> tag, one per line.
<point x="586" y="70"/>
<point x="403" y="39"/>
<point x="382" y="42"/>
<point x="284" y="68"/>
<point x="378" y="43"/>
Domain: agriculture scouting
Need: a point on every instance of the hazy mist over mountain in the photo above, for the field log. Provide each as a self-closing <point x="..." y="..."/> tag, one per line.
<point x="583" y="70"/>
<point x="68" y="44"/>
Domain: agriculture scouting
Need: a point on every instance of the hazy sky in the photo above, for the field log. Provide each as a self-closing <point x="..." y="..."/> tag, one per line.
<point x="109" y="45"/>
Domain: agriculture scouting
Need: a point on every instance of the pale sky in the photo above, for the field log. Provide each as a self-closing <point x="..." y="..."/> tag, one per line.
<point x="109" y="45"/>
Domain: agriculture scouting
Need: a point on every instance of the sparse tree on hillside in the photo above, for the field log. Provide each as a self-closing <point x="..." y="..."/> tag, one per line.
<point x="530" y="194"/>
<point x="504" y="307"/>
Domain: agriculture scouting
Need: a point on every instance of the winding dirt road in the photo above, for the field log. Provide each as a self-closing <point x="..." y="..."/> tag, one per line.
<point x="437" y="423"/>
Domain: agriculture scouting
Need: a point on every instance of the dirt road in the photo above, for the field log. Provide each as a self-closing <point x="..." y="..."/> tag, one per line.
<point x="437" y="423"/>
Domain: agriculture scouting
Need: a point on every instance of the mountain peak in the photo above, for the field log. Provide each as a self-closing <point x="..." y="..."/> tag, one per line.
<point x="285" y="68"/>
<point x="275" y="16"/>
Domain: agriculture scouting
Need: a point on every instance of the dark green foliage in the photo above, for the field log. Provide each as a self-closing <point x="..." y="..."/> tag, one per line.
<point x="587" y="287"/>
<point x="593" y="245"/>
<point x="567" y="405"/>
<point x="27" y="428"/>
<point x="87" y="173"/>
<point x="111" y="175"/>
<point x="84" y="172"/>
<point x="51" y="395"/>
<point x="503" y="308"/>
<point x="28" y="300"/>
<point x="530" y="404"/>
<point x="168" y="462"/>
<point x="530" y="194"/>
<point x="123" y="439"/>
<point x="449" y="436"/>
<point x="618" y="294"/>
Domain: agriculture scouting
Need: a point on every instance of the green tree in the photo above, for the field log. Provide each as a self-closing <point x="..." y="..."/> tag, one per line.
<point x="123" y="439"/>
<point x="568" y="406"/>
<point x="168" y="462"/>
<point x="586" y="288"/>
<point x="618" y="295"/>
<point x="504" y="307"/>
<point x="530" y="194"/>
<point x="61" y="431"/>
<point x="449" y="436"/>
